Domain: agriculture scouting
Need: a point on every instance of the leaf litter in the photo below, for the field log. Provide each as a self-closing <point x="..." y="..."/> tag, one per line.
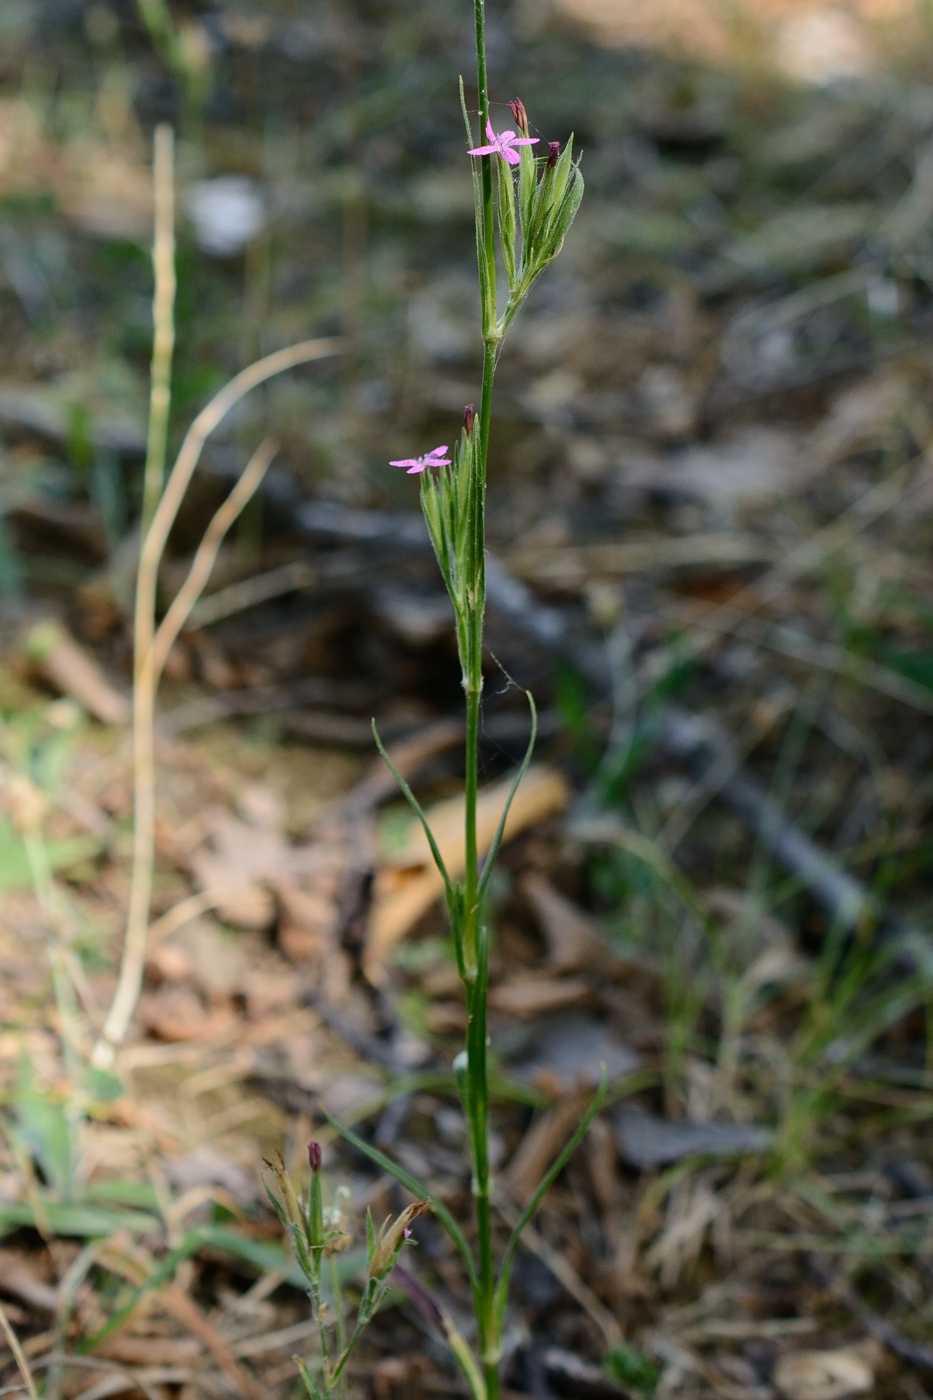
<point x="712" y="471"/>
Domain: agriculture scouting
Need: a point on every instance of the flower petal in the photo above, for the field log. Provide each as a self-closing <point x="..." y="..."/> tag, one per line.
<point x="406" y="462"/>
<point x="483" y="151"/>
<point x="490" y="134"/>
<point x="526" y="141"/>
<point x="510" y="156"/>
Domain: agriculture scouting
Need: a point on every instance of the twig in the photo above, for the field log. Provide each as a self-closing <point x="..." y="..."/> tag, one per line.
<point x="264" y="699"/>
<point x="18" y="1355"/>
<point x="250" y="592"/>
<point x="565" y="1274"/>
<point x="145" y="676"/>
<point x="148" y="666"/>
<point x="163" y="317"/>
<point x="206" y="556"/>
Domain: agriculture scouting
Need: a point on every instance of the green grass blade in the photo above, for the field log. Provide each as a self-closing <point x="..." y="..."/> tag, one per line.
<point x="159" y="1276"/>
<point x="547" y="1181"/>
<point x="418" y="811"/>
<point x="411" y="1184"/>
<point x="500" y="829"/>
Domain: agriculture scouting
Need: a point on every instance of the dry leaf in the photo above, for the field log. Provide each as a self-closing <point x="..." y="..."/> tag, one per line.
<point x="59" y="659"/>
<point x="828" y="1375"/>
<point x="541" y="1144"/>
<point x="252" y="857"/>
<point x="533" y="996"/>
<point x="400" y="901"/>
<point x="575" y="941"/>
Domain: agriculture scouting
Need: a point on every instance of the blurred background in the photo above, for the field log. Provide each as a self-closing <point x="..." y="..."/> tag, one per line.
<point x="710" y="484"/>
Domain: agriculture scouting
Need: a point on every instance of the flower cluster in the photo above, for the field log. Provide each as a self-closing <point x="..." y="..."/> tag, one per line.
<point x="534" y="217"/>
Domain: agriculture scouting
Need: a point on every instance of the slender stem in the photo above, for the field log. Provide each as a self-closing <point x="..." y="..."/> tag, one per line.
<point x="490" y="328"/>
<point x="476" y="941"/>
<point x="163" y="316"/>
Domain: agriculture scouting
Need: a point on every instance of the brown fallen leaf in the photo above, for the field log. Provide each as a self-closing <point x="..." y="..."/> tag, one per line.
<point x="529" y="995"/>
<point x="445" y="1018"/>
<point x="250" y="855"/>
<point x="151" y="1351"/>
<point x="541" y="1144"/>
<point x="828" y="1375"/>
<point x="59" y="660"/>
<point x="307" y="935"/>
<point x="575" y="941"/>
<point x="175" y="1013"/>
<point x="408" y="882"/>
<point x="22" y="1278"/>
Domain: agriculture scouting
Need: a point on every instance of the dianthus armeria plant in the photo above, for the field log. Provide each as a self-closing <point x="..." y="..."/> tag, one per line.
<point x="525" y="203"/>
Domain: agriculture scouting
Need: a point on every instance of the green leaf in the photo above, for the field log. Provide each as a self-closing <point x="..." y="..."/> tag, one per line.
<point x="411" y="1184"/>
<point x="547" y="1181"/>
<point x="43" y="1129"/>
<point x="15" y="868"/>
<point x="78" y="1220"/>
<point x="310" y="1384"/>
<point x="632" y="1370"/>
<point x="500" y="829"/>
<point x="102" y="1085"/>
<point x="276" y="1205"/>
<point x="140" y="1194"/>
<point x="418" y="811"/>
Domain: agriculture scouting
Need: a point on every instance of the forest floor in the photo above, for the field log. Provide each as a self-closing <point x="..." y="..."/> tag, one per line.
<point x="709" y="512"/>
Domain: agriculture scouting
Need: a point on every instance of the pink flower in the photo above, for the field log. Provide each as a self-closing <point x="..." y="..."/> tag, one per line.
<point x="434" y="458"/>
<point x="503" y="145"/>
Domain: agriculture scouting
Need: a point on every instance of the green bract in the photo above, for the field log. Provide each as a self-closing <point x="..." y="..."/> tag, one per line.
<point x="548" y="200"/>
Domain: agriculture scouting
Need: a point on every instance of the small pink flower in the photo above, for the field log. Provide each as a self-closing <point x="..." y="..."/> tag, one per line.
<point x="434" y="458"/>
<point x="503" y="145"/>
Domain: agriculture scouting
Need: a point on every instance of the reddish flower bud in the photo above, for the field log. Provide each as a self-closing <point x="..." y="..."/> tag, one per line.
<point x="469" y="418"/>
<point x="519" y="115"/>
<point x="314" y="1156"/>
<point x="553" y="151"/>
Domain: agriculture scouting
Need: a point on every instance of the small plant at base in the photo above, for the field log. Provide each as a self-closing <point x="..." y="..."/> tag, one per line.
<point x="316" y="1235"/>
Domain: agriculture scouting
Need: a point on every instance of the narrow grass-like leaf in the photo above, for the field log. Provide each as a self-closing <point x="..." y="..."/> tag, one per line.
<point x="411" y="1184"/>
<point x="465" y="1359"/>
<point x="500" y="829"/>
<point x="547" y="1181"/>
<point x="507" y="220"/>
<point x="160" y="1275"/>
<point x="310" y="1384"/>
<point x="418" y="811"/>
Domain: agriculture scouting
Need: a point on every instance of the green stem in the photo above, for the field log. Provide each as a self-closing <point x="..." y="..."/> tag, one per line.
<point x="476" y="942"/>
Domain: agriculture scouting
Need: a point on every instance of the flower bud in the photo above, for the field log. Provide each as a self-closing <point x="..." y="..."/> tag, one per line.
<point x="519" y="115"/>
<point x="289" y="1199"/>
<point x="469" y="418"/>
<point x="314" y="1156"/>
<point x="553" y="151"/>
<point x="391" y="1238"/>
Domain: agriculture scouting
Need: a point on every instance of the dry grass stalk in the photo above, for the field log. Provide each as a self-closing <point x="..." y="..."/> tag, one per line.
<point x="150" y="646"/>
<point x="163" y="316"/>
<point x="18" y="1354"/>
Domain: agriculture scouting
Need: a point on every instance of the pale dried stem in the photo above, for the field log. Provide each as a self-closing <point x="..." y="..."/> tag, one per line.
<point x="163" y="317"/>
<point x="204" y="560"/>
<point x="18" y="1355"/>
<point x="146" y="672"/>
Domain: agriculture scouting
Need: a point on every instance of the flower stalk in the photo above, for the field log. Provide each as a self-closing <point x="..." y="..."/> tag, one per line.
<point x="529" y="201"/>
